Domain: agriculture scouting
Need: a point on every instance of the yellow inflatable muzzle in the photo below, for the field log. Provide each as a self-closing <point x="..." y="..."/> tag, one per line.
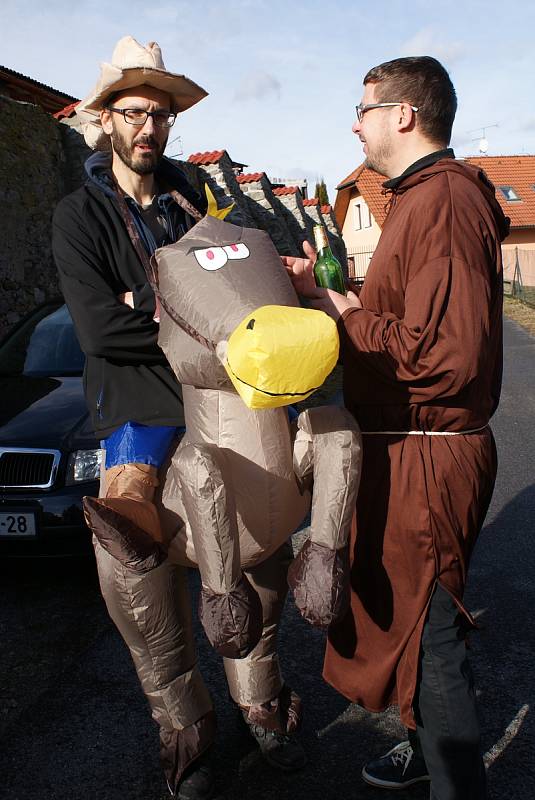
<point x="279" y="355"/>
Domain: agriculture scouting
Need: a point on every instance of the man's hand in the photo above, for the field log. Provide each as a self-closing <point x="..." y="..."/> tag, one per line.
<point x="156" y="316"/>
<point x="301" y="271"/>
<point x="333" y="303"/>
<point x="127" y="298"/>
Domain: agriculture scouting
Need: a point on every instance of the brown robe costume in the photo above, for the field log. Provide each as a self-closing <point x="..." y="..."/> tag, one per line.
<point x="424" y="354"/>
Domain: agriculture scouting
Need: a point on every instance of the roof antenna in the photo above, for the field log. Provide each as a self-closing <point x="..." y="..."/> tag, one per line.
<point x="179" y="147"/>
<point x="483" y="141"/>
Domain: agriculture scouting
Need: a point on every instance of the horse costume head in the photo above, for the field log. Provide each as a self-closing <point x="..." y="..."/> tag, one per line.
<point x="233" y="317"/>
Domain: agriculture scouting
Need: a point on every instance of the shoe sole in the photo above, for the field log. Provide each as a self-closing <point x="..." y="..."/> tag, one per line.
<point x="377" y="782"/>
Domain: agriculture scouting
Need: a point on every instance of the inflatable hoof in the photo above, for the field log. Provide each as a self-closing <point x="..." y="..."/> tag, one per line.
<point x="232" y="621"/>
<point x="319" y="579"/>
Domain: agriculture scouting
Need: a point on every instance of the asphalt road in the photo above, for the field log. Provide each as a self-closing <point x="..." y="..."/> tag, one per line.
<point x="75" y="726"/>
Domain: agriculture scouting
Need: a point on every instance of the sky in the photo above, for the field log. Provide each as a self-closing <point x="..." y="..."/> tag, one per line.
<point x="284" y="76"/>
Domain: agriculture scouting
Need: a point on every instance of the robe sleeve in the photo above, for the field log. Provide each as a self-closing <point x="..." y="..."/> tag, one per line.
<point x="436" y="347"/>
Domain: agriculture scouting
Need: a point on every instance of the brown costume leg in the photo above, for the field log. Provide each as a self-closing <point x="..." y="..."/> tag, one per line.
<point x="255" y="683"/>
<point x="327" y="452"/>
<point x="151" y="608"/>
<point x="229" y="608"/>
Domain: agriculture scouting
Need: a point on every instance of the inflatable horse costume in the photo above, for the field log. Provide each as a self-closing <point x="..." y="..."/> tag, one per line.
<point x="238" y="485"/>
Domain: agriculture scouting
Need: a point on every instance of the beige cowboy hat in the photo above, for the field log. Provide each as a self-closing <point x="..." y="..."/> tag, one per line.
<point x="134" y="65"/>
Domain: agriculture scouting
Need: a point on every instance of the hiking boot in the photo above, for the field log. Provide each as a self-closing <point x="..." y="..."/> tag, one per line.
<point x="398" y="768"/>
<point x="281" y="750"/>
<point x="197" y="783"/>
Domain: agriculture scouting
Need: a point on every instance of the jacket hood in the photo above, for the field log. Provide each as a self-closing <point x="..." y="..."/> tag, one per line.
<point x="474" y="174"/>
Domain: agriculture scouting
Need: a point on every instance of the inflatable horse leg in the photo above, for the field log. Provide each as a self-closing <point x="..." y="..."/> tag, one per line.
<point x="328" y="449"/>
<point x="229" y="608"/>
<point x="152" y="612"/>
<point x="255" y="683"/>
<point x="148" y="600"/>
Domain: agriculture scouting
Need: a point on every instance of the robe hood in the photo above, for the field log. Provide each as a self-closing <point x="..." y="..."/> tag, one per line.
<point x="474" y="174"/>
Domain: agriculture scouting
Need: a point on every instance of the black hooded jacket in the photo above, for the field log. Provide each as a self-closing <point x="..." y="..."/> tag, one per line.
<point x="126" y="376"/>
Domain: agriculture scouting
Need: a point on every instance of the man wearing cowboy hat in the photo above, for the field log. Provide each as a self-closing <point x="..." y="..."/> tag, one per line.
<point x="136" y="199"/>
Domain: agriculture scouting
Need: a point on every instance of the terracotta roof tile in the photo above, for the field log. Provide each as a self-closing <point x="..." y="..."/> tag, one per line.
<point x="312" y="202"/>
<point x="281" y="190"/>
<point x="211" y="157"/>
<point x="518" y="172"/>
<point x="351" y="178"/>
<point x="250" y="177"/>
<point x="370" y="186"/>
<point x="326" y="209"/>
<point x="67" y="112"/>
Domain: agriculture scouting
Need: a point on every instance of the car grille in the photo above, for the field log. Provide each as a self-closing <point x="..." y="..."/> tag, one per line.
<point x="22" y="468"/>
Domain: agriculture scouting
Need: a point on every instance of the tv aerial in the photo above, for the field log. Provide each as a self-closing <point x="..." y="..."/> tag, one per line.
<point x="483" y="141"/>
<point x="177" y="141"/>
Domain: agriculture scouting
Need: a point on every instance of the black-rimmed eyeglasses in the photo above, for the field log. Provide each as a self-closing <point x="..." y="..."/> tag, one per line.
<point x="138" y="116"/>
<point x="361" y="109"/>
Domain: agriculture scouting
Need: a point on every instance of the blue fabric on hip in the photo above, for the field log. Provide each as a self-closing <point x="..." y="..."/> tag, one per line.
<point x="293" y="413"/>
<point x="139" y="444"/>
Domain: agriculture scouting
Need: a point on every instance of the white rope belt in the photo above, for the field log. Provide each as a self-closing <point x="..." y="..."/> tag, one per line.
<point x="423" y="433"/>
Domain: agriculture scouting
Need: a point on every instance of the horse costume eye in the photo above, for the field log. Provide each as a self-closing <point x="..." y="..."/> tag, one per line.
<point x="211" y="258"/>
<point x="236" y="251"/>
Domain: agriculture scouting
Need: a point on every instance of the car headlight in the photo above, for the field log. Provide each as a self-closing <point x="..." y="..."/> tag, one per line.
<point x="83" y="465"/>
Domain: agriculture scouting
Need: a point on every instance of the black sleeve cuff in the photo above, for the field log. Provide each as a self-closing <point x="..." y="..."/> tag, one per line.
<point x="144" y="298"/>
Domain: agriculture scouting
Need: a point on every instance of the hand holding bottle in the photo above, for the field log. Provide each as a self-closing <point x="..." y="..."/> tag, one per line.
<point x="301" y="271"/>
<point x="327" y="269"/>
<point x="333" y="303"/>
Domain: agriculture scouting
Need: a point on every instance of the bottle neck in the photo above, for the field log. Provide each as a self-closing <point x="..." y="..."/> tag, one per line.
<point x="325" y="252"/>
<point x="320" y="239"/>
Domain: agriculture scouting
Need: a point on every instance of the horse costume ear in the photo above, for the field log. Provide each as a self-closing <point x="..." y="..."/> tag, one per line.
<point x="213" y="210"/>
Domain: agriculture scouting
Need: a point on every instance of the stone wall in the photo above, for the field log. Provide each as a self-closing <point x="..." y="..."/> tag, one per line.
<point x="257" y="189"/>
<point x="76" y="153"/>
<point x="222" y="181"/>
<point x="32" y="180"/>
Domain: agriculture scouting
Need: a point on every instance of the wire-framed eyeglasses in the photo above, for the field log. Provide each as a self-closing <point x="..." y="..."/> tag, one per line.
<point x="138" y="116"/>
<point x="361" y="109"/>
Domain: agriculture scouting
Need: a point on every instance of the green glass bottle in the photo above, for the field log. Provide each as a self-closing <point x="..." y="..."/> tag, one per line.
<point x="327" y="270"/>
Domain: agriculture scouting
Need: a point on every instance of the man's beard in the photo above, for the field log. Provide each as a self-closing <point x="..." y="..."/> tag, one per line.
<point x="143" y="163"/>
<point x="377" y="160"/>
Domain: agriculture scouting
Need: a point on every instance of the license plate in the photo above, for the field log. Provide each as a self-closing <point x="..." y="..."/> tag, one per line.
<point x="17" y="523"/>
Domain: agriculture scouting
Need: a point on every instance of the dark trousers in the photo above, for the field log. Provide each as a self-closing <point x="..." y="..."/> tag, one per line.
<point x="445" y="706"/>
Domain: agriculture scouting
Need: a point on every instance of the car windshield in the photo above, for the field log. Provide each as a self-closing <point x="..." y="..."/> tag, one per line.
<point x="45" y="344"/>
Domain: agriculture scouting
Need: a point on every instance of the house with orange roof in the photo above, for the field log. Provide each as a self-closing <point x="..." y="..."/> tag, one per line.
<point x="360" y="211"/>
<point x="514" y="179"/>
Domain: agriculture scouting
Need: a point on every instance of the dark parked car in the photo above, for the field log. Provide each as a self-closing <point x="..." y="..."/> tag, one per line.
<point x="49" y="457"/>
